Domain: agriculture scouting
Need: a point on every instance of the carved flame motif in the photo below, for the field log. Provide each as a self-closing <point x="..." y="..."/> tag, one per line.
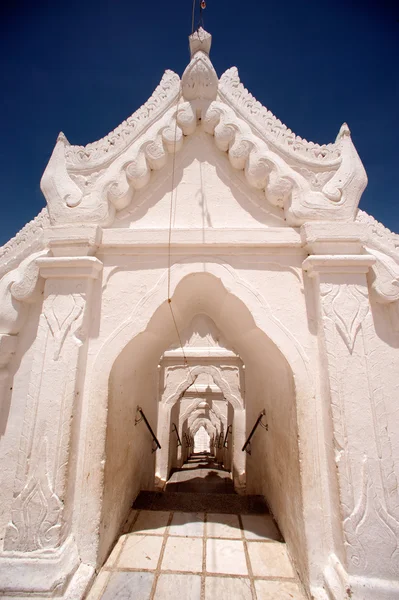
<point x="347" y="306"/>
<point x="36" y="512"/>
<point x="63" y="312"/>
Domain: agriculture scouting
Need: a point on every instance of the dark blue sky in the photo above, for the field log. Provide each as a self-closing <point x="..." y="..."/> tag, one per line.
<point x="83" y="67"/>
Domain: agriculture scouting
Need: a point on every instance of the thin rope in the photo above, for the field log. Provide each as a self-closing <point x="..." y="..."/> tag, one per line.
<point x="171" y="200"/>
<point x="192" y="17"/>
<point x="170" y="250"/>
<point x="200" y="21"/>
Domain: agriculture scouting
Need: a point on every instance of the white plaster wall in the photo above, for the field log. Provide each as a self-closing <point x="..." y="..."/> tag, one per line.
<point x="12" y="408"/>
<point x="385" y="385"/>
<point x="207" y="194"/>
<point x="273" y="468"/>
<point x="174" y="418"/>
<point x="129" y="461"/>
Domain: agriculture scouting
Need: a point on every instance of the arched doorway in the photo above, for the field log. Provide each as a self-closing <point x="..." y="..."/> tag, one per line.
<point x="274" y="468"/>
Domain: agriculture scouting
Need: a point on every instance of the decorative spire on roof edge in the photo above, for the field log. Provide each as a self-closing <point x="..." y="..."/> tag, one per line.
<point x="343" y="132"/>
<point x="200" y="40"/>
<point x="199" y="81"/>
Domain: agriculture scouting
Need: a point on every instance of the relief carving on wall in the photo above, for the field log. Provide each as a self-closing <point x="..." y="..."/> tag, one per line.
<point x="345" y="312"/>
<point x="347" y="307"/>
<point x="60" y="315"/>
<point x="37" y="512"/>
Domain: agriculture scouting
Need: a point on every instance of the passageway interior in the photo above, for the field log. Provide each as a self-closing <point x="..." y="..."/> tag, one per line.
<point x="201" y="393"/>
<point x="201" y="474"/>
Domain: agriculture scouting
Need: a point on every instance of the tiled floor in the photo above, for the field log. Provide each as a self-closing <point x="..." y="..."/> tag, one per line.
<point x="197" y="556"/>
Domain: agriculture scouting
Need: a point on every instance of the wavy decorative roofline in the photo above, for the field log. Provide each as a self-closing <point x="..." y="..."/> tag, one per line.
<point x="29" y="239"/>
<point x="378" y="230"/>
<point x="233" y="91"/>
<point x="97" y="153"/>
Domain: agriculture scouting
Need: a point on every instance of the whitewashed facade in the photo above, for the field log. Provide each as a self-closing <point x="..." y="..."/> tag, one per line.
<point x="202" y="196"/>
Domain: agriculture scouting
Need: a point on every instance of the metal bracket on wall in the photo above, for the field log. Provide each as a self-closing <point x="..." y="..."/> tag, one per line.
<point x="247" y="446"/>
<point x="229" y="430"/>
<point x="174" y="428"/>
<point x="144" y="418"/>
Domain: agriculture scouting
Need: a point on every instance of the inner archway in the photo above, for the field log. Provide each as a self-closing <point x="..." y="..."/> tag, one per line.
<point x="202" y="440"/>
<point x="273" y="468"/>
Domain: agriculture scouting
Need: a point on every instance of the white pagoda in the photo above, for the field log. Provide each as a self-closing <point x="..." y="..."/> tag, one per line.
<point x="200" y="241"/>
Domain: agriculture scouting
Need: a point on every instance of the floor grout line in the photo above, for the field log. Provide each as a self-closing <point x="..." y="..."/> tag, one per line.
<point x="247" y="558"/>
<point x="204" y="538"/>
<point x="157" y="571"/>
<point x="115" y="562"/>
<point x="203" y="573"/>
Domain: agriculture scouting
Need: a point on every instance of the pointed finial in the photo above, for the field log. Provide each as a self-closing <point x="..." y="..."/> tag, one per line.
<point x="200" y="40"/>
<point x="62" y="138"/>
<point x="343" y="132"/>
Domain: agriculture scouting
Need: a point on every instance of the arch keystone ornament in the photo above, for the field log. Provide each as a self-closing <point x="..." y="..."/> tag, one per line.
<point x="285" y="297"/>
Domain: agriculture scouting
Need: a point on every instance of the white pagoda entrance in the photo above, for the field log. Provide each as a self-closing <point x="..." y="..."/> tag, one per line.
<point x="204" y="264"/>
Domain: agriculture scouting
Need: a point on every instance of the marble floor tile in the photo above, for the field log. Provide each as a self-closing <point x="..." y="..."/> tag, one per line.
<point x="111" y="560"/>
<point x="140" y="552"/>
<point x="98" y="586"/>
<point x="270" y="559"/>
<point x="128" y="523"/>
<point x="187" y="524"/>
<point x="183" y="554"/>
<point x="228" y="588"/>
<point x="178" y="587"/>
<point x="226" y="556"/>
<point x="283" y="590"/>
<point x="223" y="526"/>
<point x="151" y="522"/>
<point x="128" y="585"/>
<point x="260" y="527"/>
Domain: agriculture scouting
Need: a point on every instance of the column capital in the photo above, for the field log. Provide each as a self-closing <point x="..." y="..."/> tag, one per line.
<point x="78" y="240"/>
<point x="323" y="237"/>
<point x="341" y="263"/>
<point x="67" y="267"/>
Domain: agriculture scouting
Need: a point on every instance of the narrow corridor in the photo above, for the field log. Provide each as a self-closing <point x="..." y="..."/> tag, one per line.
<point x="228" y="550"/>
<point x="201" y="474"/>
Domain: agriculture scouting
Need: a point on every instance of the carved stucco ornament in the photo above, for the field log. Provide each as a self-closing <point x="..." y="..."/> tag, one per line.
<point x="18" y="287"/>
<point x="35" y="516"/>
<point x="308" y="181"/>
<point x="199" y="81"/>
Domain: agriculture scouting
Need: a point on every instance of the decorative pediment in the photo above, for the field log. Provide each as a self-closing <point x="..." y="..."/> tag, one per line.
<point x="304" y="181"/>
<point x="309" y="181"/>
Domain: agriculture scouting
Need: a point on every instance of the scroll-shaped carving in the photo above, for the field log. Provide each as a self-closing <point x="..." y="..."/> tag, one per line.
<point x="66" y="202"/>
<point x="384" y="276"/>
<point x="20" y="286"/>
<point x="36" y="510"/>
<point x="232" y="90"/>
<point x="272" y="157"/>
<point x="94" y="155"/>
<point x="56" y="183"/>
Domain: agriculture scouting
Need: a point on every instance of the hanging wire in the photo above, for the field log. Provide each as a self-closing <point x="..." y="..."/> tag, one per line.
<point x="202" y="6"/>
<point x="170" y="251"/>
<point x="192" y="17"/>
